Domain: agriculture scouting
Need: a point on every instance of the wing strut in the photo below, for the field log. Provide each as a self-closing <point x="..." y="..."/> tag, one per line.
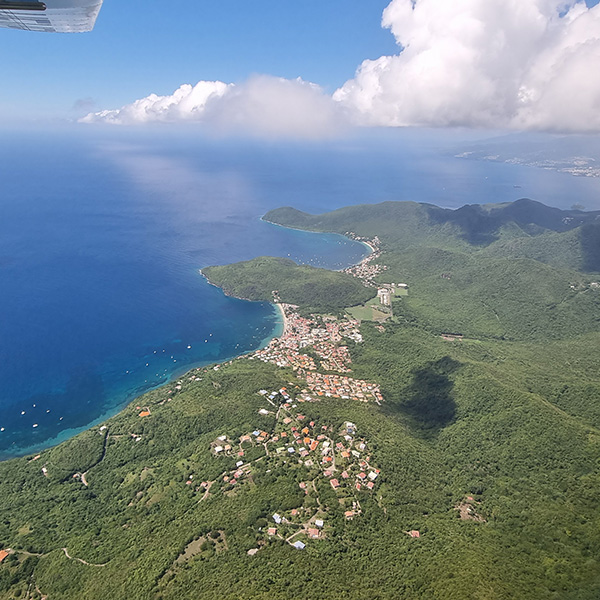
<point x="37" y="6"/>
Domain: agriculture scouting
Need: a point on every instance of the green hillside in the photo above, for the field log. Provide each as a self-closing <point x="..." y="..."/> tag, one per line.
<point x="486" y="447"/>
<point x="304" y="285"/>
<point x="521" y="229"/>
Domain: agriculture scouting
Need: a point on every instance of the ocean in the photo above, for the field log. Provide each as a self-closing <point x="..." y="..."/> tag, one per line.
<point x="103" y="233"/>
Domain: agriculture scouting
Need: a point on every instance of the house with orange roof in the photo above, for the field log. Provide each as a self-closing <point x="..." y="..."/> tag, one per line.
<point x="145" y="413"/>
<point x="3" y="555"/>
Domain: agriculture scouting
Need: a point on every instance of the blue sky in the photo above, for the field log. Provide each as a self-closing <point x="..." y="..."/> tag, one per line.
<point x="487" y="64"/>
<point x="142" y="47"/>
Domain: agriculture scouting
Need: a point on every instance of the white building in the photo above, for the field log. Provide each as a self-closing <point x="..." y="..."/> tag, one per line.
<point x="384" y="296"/>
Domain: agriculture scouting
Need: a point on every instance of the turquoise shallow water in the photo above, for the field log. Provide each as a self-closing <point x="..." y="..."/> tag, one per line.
<point x="102" y="236"/>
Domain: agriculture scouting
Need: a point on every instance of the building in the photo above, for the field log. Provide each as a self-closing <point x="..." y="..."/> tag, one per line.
<point x="385" y="297"/>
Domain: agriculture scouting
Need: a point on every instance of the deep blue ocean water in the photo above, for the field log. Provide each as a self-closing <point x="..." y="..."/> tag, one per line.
<point x="103" y="233"/>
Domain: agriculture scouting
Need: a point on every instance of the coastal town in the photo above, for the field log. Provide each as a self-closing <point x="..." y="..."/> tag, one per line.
<point x="317" y="349"/>
<point x="366" y="269"/>
<point x="312" y="347"/>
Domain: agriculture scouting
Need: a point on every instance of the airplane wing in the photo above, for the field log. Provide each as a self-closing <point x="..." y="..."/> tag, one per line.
<point x="61" y="16"/>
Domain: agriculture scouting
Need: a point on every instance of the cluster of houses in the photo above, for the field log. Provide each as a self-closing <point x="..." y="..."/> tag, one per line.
<point x="275" y="354"/>
<point x="336" y="456"/>
<point x="333" y="358"/>
<point x="343" y="387"/>
<point x="322" y="334"/>
<point x="365" y="270"/>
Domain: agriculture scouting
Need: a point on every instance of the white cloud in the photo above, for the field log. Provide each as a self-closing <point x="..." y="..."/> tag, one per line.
<point x="483" y="63"/>
<point x="263" y="105"/>
<point x="274" y="107"/>
<point x="525" y="64"/>
<point x="186" y="103"/>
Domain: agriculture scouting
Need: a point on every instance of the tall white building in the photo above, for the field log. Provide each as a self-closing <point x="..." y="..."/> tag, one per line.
<point x="384" y="296"/>
<point x="54" y="16"/>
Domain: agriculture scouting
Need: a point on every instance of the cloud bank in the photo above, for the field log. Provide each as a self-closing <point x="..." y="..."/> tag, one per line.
<point x="263" y="105"/>
<point x="521" y="64"/>
<point x="527" y="64"/>
<point x="186" y="103"/>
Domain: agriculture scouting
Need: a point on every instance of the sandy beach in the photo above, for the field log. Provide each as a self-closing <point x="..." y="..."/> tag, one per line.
<point x="281" y="309"/>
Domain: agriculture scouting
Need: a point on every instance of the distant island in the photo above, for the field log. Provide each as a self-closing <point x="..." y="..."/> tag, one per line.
<point x="577" y="155"/>
<point x="426" y="426"/>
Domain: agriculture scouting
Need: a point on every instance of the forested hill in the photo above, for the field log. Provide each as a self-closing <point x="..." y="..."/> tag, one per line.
<point x="313" y="288"/>
<point x="522" y="229"/>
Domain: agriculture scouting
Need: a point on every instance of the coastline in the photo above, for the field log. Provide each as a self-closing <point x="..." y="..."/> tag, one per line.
<point x="372" y="249"/>
<point x="284" y="319"/>
<point x="279" y="330"/>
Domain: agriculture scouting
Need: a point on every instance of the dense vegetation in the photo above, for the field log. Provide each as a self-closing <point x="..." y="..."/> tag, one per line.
<point x="514" y="271"/>
<point x="303" y="285"/>
<point x="508" y="415"/>
<point x="402" y="225"/>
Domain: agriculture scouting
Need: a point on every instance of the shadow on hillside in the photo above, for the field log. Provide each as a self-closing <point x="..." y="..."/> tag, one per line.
<point x="481" y="227"/>
<point x="590" y="247"/>
<point x="428" y="400"/>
